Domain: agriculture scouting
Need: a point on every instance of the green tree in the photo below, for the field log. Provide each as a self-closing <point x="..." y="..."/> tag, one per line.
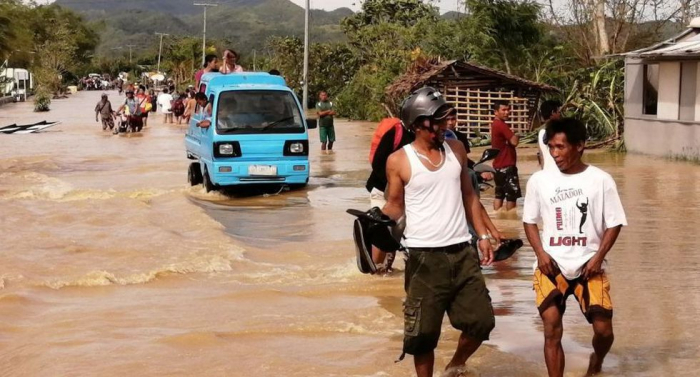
<point x="43" y="22"/>
<point x="501" y="31"/>
<point x="53" y="42"/>
<point x="182" y="58"/>
<point x="331" y="65"/>
<point x="384" y="37"/>
<point x="405" y="13"/>
<point x="57" y="54"/>
<point x="446" y="39"/>
<point x="16" y="39"/>
<point x="287" y="55"/>
<point x="6" y="34"/>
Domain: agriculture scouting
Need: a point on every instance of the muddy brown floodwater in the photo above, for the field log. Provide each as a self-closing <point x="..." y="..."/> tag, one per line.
<point x="111" y="265"/>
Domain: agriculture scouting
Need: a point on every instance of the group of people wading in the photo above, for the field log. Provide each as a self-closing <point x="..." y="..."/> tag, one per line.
<point x="572" y="217"/>
<point x="175" y="106"/>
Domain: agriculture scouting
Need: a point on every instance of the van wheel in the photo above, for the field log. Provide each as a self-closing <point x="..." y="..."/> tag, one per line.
<point x="207" y="182"/>
<point x="194" y="174"/>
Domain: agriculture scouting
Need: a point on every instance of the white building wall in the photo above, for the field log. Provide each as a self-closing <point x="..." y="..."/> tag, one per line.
<point x="662" y="137"/>
<point x="697" y="94"/>
<point x="664" y="134"/>
<point x="669" y="90"/>
<point x="634" y="87"/>
<point x="688" y="93"/>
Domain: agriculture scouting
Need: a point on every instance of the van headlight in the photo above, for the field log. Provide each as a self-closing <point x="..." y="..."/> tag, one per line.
<point x="226" y="149"/>
<point x="296" y="148"/>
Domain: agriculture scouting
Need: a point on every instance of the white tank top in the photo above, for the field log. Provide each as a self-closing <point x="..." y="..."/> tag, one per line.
<point x="435" y="214"/>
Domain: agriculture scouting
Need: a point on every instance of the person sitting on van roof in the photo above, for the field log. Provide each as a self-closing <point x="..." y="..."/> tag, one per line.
<point x="229" y="64"/>
<point x="210" y="64"/>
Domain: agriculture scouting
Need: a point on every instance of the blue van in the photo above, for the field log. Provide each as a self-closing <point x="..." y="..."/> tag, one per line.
<point x="258" y="133"/>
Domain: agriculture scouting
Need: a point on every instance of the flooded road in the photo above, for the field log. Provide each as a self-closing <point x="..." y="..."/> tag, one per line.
<point x="110" y="264"/>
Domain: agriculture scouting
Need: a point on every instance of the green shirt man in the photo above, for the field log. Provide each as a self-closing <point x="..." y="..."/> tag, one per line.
<point x="324" y="109"/>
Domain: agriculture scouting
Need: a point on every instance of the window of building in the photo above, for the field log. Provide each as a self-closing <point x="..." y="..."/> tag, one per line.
<point x="650" y="93"/>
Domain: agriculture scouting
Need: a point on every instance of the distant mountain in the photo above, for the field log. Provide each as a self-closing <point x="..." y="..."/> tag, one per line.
<point x="173" y="7"/>
<point x="246" y="24"/>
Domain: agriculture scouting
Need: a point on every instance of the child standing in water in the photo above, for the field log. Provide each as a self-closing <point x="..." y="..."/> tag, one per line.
<point x="325" y="111"/>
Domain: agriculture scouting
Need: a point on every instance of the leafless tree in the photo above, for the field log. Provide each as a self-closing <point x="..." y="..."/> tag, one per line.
<point x="596" y="28"/>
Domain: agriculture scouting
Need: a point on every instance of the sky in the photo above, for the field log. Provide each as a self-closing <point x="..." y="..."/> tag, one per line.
<point x="445" y="5"/>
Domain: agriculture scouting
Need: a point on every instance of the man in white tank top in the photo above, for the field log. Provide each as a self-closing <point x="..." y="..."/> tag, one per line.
<point x="428" y="183"/>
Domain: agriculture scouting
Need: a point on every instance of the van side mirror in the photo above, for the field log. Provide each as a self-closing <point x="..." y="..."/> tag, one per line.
<point x="311" y="123"/>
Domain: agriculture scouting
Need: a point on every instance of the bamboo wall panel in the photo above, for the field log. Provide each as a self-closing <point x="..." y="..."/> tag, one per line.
<point x="475" y="109"/>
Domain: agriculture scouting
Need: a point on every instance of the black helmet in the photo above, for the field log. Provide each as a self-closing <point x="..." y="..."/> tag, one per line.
<point x="424" y="102"/>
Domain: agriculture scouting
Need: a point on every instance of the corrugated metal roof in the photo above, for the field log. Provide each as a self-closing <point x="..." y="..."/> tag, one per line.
<point x="682" y="45"/>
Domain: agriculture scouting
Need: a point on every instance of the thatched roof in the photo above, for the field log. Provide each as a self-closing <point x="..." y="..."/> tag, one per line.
<point x="425" y="71"/>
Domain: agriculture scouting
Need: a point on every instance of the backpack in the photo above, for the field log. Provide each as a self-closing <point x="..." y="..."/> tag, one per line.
<point x="178" y="107"/>
<point x="385" y="126"/>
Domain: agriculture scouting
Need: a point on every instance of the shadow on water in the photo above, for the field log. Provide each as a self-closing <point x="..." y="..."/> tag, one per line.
<point x="270" y="215"/>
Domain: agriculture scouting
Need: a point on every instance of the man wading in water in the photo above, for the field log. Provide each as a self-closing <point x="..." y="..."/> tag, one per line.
<point x="104" y="109"/>
<point x="582" y="216"/>
<point x="427" y="180"/>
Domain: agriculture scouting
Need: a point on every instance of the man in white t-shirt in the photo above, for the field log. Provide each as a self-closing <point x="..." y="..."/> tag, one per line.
<point x="165" y="103"/>
<point x="581" y="214"/>
<point x="549" y="110"/>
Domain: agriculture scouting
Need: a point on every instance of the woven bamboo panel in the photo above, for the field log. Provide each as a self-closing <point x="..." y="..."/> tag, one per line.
<point x="475" y="112"/>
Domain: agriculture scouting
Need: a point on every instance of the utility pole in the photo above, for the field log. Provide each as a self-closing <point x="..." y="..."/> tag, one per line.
<point x="130" y="46"/>
<point x="306" y="56"/>
<point x="160" y="50"/>
<point x="204" y="34"/>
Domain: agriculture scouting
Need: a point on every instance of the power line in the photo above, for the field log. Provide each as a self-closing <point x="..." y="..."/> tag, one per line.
<point x="204" y="34"/>
<point x="130" y="47"/>
<point x="306" y="56"/>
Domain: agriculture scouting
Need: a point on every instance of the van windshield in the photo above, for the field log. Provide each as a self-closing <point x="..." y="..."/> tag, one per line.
<point x="257" y="112"/>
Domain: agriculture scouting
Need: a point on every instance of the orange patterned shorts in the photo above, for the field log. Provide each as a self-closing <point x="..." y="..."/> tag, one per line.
<point x="593" y="295"/>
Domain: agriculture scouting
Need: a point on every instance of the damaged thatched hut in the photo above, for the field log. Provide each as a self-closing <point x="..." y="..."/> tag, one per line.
<point x="472" y="89"/>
